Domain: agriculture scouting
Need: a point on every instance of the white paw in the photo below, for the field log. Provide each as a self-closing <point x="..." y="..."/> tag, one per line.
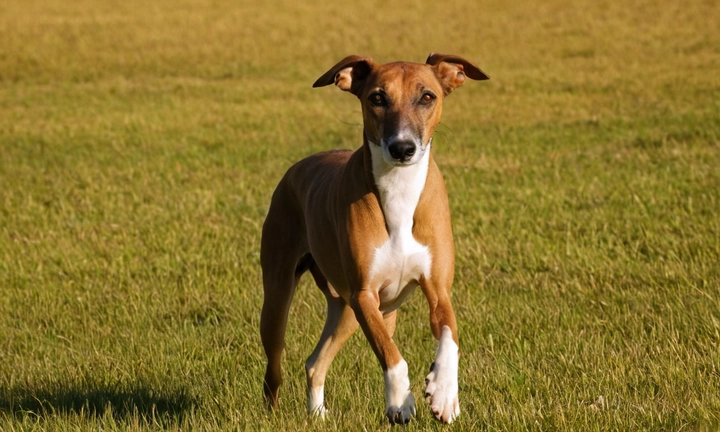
<point x="441" y="389"/>
<point x="316" y="405"/>
<point x="399" y="400"/>
<point x="320" y="411"/>
<point x="401" y="413"/>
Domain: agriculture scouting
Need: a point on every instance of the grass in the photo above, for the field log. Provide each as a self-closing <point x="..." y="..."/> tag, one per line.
<point x="140" y="143"/>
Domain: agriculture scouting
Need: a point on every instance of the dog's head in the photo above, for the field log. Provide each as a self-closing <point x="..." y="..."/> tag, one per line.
<point x="401" y="101"/>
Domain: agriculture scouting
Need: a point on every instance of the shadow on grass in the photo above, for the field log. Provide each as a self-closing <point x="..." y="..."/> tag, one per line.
<point x="138" y="404"/>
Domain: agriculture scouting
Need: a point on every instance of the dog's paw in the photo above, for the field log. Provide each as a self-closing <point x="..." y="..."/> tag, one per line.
<point x="399" y="400"/>
<point x="441" y="384"/>
<point x="401" y="414"/>
<point x="320" y="411"/>
<point x="316" y="407"/>
<point x="442" y="395"/>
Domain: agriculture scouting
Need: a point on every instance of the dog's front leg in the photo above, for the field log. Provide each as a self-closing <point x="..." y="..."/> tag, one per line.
<point x="441" y="387"/>
<point x="399" y="400"/>
<point x="441" y="384"/>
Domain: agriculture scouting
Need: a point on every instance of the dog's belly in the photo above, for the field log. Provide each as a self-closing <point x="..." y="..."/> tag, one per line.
<point x="397" y="266"/>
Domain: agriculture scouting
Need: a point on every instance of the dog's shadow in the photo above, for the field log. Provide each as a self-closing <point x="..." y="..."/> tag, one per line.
<point x="139" y="403"/>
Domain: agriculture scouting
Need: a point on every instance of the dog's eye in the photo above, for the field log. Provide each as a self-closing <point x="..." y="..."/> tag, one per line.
<point x="378" y="99"/>
<point x="427" y="98"/>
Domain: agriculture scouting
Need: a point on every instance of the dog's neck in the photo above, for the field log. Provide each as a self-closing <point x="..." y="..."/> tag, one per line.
<point x="399" y="188"/>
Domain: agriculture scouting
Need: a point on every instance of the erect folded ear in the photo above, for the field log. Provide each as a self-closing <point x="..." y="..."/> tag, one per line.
<point x="349" y="74"/>
<point x="451" y="70"/>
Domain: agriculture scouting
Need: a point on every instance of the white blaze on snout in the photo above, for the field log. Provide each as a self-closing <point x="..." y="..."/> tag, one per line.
<point x="400" y="262"/>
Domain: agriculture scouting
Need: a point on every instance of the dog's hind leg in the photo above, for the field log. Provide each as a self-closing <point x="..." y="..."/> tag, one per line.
<point x="280" y="285"/>
<point x="279" y="291"/>
<point x="283" y="259"/>
<point x="340" y="324"/>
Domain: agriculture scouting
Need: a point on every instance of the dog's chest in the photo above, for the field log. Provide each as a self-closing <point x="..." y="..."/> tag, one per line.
<point x="401" y="261"/>
<point x="397" y="266"/>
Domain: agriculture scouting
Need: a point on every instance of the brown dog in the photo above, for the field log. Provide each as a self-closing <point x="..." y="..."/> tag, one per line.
<point x="370" y="225"/>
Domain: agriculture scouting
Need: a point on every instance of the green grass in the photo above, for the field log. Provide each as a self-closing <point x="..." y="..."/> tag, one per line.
<point x="140" y="143"/>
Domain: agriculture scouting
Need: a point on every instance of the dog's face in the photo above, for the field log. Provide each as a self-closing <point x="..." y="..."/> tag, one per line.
<point x="401" y="101"/>
<point x="402" y="104"/>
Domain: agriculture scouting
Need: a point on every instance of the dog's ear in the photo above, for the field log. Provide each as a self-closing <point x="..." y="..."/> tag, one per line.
<point x="349" y="74"/>
<point x="451" y="70"/>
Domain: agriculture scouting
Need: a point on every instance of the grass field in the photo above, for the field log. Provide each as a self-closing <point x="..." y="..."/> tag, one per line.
<point x="140" y="143"/>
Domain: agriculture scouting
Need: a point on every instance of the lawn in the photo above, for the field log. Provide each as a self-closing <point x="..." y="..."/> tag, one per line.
<point x="140" y="143"/>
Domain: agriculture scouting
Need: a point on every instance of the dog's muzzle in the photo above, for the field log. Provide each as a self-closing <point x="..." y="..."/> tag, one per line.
<point x="402" y="150"/>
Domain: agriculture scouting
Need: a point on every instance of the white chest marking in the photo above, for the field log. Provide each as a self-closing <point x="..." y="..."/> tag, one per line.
<point x="401" y="261"/>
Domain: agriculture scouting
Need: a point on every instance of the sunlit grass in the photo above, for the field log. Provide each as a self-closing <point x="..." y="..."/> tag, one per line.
<point x="140" y="143"/>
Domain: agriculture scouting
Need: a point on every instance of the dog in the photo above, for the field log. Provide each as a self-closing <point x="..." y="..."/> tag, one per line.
<point x="370" y="225"/>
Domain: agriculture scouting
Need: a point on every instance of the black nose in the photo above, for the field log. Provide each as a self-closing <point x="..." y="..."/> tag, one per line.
<point x="402" y="150"/>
